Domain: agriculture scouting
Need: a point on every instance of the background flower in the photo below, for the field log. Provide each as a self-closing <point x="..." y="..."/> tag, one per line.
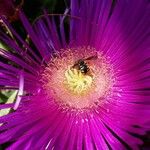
<point x="10" y="9"/>
<point x="123" y="38"/>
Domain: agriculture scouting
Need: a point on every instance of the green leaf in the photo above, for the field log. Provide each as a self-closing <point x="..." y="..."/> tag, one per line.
<point x="11" y="99"/>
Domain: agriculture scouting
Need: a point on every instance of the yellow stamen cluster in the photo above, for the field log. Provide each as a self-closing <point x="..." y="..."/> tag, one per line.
<point x="77" y="82"/>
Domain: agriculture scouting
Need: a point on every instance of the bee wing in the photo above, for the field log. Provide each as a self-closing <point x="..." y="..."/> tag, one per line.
<point x="91" y="57"/>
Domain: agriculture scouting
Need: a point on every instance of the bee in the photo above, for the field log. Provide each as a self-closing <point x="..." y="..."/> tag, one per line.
<point x="82" y="65"/>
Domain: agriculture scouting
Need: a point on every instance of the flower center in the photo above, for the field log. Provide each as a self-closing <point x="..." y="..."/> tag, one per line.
<point x="78" y="78"/>
<point x="77" y="82"/>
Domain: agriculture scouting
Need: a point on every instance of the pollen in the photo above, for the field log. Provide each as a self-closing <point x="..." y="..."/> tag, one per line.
<point x="77" y="82"/>
<point x="69" y="85"/>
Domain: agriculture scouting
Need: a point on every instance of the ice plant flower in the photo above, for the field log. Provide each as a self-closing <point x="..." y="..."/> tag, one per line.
<point x="82" y="78"/>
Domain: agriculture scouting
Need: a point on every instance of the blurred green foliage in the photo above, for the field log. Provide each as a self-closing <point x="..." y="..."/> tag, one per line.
<point x="34" y="8"/>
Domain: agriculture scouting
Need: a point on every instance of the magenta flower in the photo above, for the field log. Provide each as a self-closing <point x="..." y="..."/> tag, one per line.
<point x="82" y="78"/>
